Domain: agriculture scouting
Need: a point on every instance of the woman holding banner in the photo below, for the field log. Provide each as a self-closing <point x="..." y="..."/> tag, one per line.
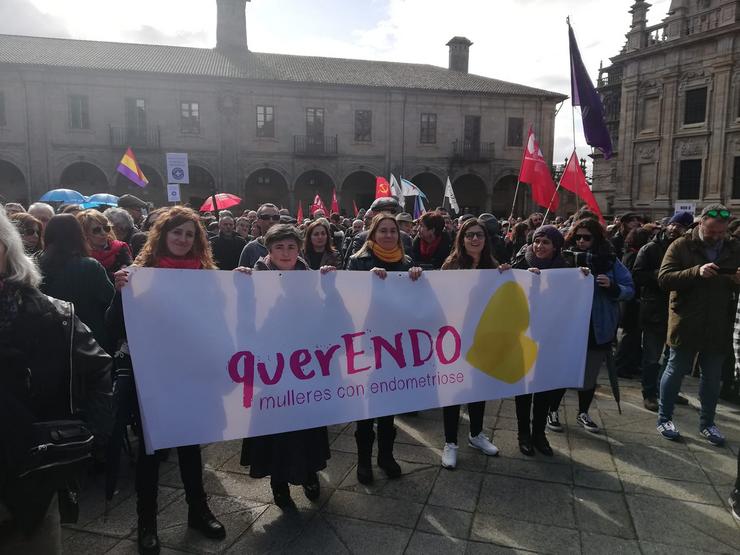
<point x="471" y="251"/>
<point x="589" y="248"/>
<point x="289" y="457"/>
<point x="177" y="240"/>
<point x="381" y="253"/>
<point x="543" y="254"/>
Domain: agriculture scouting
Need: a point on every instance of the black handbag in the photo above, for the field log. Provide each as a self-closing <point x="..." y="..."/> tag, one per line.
<point x="60" y="450"/>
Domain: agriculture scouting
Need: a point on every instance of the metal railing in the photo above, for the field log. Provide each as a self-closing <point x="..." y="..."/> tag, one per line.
<point x="141" y="138"/>
<point x="470" y="151"/>
<point x="314" y="145"/>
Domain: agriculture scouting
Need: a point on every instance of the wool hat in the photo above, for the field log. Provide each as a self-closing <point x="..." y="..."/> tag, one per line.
<point x="552" y="233"/>
<point x="682" y="218"/>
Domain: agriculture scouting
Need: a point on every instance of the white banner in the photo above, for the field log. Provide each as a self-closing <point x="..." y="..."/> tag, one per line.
<point x="221" y="355"/>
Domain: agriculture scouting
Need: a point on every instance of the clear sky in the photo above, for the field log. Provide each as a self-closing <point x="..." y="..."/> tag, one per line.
<point x="523" y="41"/>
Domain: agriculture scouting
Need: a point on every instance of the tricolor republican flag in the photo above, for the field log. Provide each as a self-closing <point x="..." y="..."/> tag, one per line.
<point x="129" y="167"/>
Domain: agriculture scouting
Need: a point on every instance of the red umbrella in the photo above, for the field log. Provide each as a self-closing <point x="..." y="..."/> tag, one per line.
<point x="223" y="200"/>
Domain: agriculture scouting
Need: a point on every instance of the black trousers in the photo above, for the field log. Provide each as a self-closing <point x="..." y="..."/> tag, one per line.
<point x="147" y="477"/>
<point x="386" y="428"/>
<point x="737" y="480"/>
<point x="451" y="417"/>
<point x="585" y="397"/>
<point x="535" y="404"/>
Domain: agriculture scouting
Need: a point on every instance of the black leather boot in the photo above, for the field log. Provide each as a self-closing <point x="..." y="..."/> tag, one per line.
<point x="147" y="538"/>
<point x="365" y="442"/>
<point x="385" y="454"/>
<point x="201" y="518"/>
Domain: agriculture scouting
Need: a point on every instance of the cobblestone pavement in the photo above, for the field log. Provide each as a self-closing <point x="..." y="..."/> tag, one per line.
<point x="625" y="490"/>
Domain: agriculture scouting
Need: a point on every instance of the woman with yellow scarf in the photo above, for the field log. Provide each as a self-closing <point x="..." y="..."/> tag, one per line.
<point x="381" y="253"/>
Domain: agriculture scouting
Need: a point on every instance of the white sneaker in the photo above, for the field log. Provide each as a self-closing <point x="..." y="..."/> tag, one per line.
<point x="449" y="456"/>
<point x="482" y="443"/>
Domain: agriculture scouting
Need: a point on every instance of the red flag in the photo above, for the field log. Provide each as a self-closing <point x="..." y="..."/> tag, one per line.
<point x="318" y="204"/>
<point x="334" y="202"/>
<point x="574" y="180"/>
<point x="354" y="207"/>
<point x="299" y="216"/>
<point x="536" y="172"/>
<point x="382" y="187"/>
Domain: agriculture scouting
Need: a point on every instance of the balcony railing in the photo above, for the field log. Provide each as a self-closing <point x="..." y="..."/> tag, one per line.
<point x="469" y="151"/>
<point x="314" y="145"/>
<point x="141" y="138"/>
<point x="702" y="22"/>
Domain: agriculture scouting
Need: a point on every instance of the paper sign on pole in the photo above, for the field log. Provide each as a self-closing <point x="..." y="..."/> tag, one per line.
<point x="177" y="167"/>
<point x="689" y="207"/>
<point x="240" y="356"/>
<point x="173" y="192"/>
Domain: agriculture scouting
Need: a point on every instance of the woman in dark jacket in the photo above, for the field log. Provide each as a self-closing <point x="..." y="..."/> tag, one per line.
<point x="71" y="275"/>
<point x="177" y="241"/>
<point x="381" y="253"/>
<point x="318" y="247"/>
<point x="289" y="457"/>
<point x="102" y="243"/>
<point x="432" y="245"/>
<point x="543" y="254"/>
<point x="52" y="369"/>
<point x="472" y="251"/>
<point x="593" y="253"/>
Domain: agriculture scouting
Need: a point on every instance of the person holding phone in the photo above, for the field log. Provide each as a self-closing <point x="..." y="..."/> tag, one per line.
<point x="697" y="270"/>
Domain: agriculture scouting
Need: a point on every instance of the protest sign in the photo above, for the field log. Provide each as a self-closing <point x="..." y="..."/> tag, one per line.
<point x="222" y="355"/>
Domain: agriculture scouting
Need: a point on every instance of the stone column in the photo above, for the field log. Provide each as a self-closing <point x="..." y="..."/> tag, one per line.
<point x="228" y="107"/>
<point x="625" y="175"/>
<point x="715" y="160"/>
<point x="667" y="129"/>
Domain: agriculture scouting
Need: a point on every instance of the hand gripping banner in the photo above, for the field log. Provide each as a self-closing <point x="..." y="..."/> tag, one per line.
<point x="222" y="355"/>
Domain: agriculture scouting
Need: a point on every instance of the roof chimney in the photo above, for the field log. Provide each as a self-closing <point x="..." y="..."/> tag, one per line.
<point x="231" y="28"/>
<point x="459" y="51"/>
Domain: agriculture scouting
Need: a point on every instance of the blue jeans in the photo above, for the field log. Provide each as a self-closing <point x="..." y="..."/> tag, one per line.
<point x="680" y="361"/>
<point x="653" y="345"/>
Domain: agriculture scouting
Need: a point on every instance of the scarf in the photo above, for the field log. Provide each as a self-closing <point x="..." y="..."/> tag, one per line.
<point x="178" y="263"/>
<point x="384" y="255"/>
<point x="10" y="301"/>
<point x="428" y="249"/>
<point x="556" y="261"/>
<point x="108" y="255"/>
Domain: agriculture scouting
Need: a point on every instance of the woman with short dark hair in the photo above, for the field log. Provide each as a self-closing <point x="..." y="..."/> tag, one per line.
<point x="432" y="244"/>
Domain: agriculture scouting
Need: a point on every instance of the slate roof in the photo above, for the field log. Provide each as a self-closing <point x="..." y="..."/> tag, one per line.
<point x="204" y="62"/>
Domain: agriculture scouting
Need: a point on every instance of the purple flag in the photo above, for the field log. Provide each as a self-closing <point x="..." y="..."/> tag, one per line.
<point x="584" y="95"/>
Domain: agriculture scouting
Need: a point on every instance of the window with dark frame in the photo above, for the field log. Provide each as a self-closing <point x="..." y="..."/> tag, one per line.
<point x="136" y="117"/>
<point x="266" y="121"/>
<point x="3" y="121"/>
<point x="695" y="110"/>
<point x="689" y="179"/>
<point x="515" y="132"/>
<point x="190" y="117"/>
<point x="428" y="129"/>
<point x="79" y="114"/>
<point x="315" y="122"/>
<point x="363" y="126"/>
<point x="736" y="178"/>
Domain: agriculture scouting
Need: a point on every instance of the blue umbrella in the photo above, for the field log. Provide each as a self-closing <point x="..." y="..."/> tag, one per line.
<point x="102" y="198"/>
<point x="63" y="195"/>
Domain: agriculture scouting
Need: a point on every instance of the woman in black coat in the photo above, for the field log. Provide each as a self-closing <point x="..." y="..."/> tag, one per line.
<point x="289" y="457"/>
<point x="381" y="253"/>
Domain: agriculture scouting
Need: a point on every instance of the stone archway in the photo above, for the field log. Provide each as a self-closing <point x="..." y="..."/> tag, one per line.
<point x="470" y="192"/>
<point x="85" y="178"/>
<point x="202" y="185"/>
<point x="432" y="187"/>
<point x="12" y="184"/>
<point x="265" y="185"/>
<point x="503" y="197"/>
<point x="359" y="186"/>
<point x="309" y="184"/>
<point x="155" y="192"/>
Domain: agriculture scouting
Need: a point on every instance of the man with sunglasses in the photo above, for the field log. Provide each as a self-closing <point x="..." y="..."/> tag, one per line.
<point x="267" y="216"/>
<point x="701" y="271"/>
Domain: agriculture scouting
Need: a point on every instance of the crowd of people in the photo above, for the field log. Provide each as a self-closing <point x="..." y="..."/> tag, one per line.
<point x="664" y="305"/>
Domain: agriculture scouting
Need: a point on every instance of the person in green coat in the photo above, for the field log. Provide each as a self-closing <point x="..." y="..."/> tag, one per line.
<point x="71" y="275"/>
<point x="701" y="270"/>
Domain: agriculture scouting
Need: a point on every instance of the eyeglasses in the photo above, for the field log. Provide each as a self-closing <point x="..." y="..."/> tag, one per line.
<point x="724" y="214"/>
<point x="266" y="217"/>
<point x="583" y="238"/>
<point x="97" y="230"/>
<point x="470" y="235"/>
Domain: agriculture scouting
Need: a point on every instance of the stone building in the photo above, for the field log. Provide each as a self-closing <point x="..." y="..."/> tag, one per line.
<point x="267" y="127"/>
<point x="672" y="102"/>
